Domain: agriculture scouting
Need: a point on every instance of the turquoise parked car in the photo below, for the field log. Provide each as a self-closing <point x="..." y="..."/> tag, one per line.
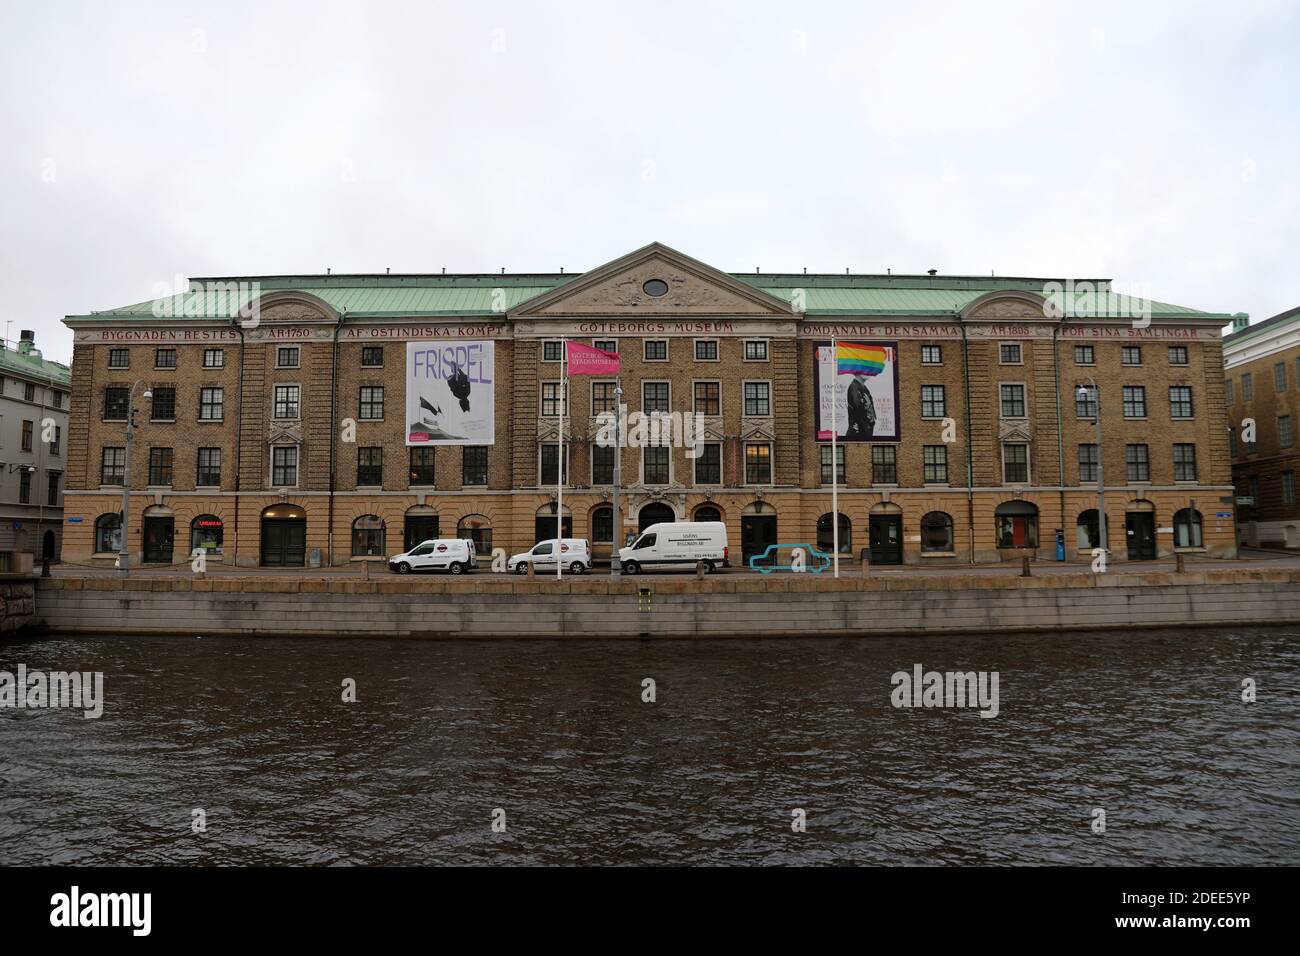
<point x="815" y="561"/>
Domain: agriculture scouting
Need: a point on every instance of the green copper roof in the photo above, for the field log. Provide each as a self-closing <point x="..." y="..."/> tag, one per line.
<point x="32" y="365"/>
<point x="404" y="296"/>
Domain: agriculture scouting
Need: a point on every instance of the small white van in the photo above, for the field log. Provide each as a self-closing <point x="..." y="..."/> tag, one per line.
<point x="575" y="553"/>
<point x="677" y="545"/>
<point x="440" y="554"/>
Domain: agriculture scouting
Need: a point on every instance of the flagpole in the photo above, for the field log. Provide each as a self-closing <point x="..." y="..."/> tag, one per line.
<point x="835" y="471"/>
<point x="559" y="478"/>
<point x="615" y="566"/>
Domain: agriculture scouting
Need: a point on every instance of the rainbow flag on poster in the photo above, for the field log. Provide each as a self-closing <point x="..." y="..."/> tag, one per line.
<point x="853" y="359"/>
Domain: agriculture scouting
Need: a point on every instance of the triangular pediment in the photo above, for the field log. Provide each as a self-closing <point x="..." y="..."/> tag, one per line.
<point x="619" y="288"/>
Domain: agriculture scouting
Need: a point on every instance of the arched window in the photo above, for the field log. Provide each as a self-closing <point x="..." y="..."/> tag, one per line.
<point x="654" y="513"/>
<point x="1017" y="524"/>
<point x="1187" y="529"/>
<point x="368" y="537"/>
<point x="478" y="529"/>
<point x="825" y="541"/>
<point x="544" y="524"/>
<point x="108" y="534"/>
<point x="708" y="513"/>
<point x="206" y="532"/>
<point x="1088" y="530"/>
<point x="602" y="525"/>
<point x="936" y="533"/>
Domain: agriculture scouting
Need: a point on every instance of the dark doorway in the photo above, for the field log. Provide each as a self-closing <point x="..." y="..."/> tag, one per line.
<point x="284" y="537"/>
<point x="544" y="527"/>
<point x="1140" y="530"/>
<point x="655" y="513"/>
<point x="418" y="529"/>
<point x="756" y="533"/>
<point x="886" y="533"/>
<point x="47" y="546"/>
<point x="158" y="535"/>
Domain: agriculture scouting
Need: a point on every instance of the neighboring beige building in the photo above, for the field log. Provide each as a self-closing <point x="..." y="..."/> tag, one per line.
<point x="34" y="396"/>
<point x="1262" y="366"/>
<point x="280" y="438"/>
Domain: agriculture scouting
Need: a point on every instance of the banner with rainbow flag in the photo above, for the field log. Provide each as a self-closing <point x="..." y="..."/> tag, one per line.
<point x="861" y="378"/>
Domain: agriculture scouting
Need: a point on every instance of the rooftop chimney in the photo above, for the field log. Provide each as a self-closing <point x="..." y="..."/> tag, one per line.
<point x="27" y="342"/>
<point x="1239" y="321"/>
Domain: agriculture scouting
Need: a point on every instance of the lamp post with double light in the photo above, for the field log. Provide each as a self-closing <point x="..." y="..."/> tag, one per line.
<point x="124" y="549"/>
<point x="1103" y="528"/>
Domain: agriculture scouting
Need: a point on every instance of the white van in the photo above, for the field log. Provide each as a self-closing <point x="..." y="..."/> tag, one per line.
<point x="677" y="545"/>
<point x="439" y="554"/>
<point x="574" y="552"/>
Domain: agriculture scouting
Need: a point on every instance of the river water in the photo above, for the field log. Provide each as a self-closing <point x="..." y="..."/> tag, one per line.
<point x="1147" y="726"/>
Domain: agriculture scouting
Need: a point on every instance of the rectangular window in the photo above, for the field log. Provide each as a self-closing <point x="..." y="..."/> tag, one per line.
<point x="708" y="466"/>
<point x="550" y="458"/>
<point x="552" y="351"/>
<point x="214" y="358"/>
<point x="286" y="356"/>
<point x="606" y="345"/>
<point x="931" y="355"/>
<point x="163" y="406"/>
<point x="116" y="400"/>
<point x="1139" y="463"/>
<point x="935" y="460"/>
<point x="119" y="358"/>
<point x="654" y="397"/>
<point x="933" y="401"/>
<point x="474" y="465"/>
<point x="422" y="466"/>
<point x="1178" y="355"/>
<point x="208" y="472"/>
<point x="551" y="399"/>
<point x="708" y="398"/>
<point x="164" y="358"/>
<point x="1135" y="401"/>
<point x="1228" y="393"/>
<point x="1015" y="464"/>
<point x="603" y="398"/>
<point x="1232" y="442"/>
<point x="372" y="356"/>
<point x="29" y="392"/>
<point x="1285" y="438"/>
<point x="1013" y="401"/>
<point x="756" y="350"/>
<point x="211" y="405"/>
<point x="1180" y="401"/>
<point x="1131" y="355"/>
<point x="112" y="466"/>
<point x="24" y="487"/>
<point x="656" y="350"/>
<point x="29" y="428"/>
<point x="1288" y="487"/>
<point x="1279" y="377"/>
<point x="286" y="402"/>
<point x="1087" y="462"/>
<point x="1247" y="387"/>
<point x="602" y="465"/>
<point x="1085" y="402"/>
<point x="1252" y="489"/>
<point x="160" y="466"/>
<point x="57" y="398"/>
<point x="284" y="466"/>
<point x="656" y="465"/>
<point x="370" y="466"/>
<point x="706" y="350"/>
<point x="757" y="400"/>
<point x="884" y="465"/>
<point x="1009" y="353"/>
<point x="370" y="403"/>
<point x="839" y="464"/>
<point x="1085" y="355"/>
<point x="54" y="445"/>
<point x="758" y="464"/>
<point x="1184" y="462"/>
<point x="52" y="491"/>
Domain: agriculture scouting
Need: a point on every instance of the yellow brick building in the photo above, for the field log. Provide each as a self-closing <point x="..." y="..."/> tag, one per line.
<point x="276" y="428"/>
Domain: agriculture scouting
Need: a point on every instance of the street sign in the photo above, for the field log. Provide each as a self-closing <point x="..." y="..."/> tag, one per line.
<point x="1245" y="501"/>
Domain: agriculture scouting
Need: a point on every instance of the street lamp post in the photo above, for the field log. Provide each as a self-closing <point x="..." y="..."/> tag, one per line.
<point x="615" y="564"/>
<point x="123" y="551"/>
<point x="1103" y="526"/>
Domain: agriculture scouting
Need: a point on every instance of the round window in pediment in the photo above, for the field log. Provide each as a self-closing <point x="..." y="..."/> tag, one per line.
<point x="655" y="288"/>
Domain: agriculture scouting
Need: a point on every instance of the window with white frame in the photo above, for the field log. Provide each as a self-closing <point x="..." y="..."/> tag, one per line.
<point x="758" y="399"/>
<point x="706" y="350"/>
<point x="756" y="350"/>
<point x="1015" y="464"/>
<point x="656" y="350"/>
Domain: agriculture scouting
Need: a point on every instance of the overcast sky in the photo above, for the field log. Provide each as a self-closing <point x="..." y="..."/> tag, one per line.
<point x="1154" y="143"/>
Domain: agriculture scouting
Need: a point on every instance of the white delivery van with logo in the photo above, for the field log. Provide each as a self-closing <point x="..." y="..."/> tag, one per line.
<point x="574" y="553"/>
<point x="441" y="554"/>
<point x="677" y="545"/>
